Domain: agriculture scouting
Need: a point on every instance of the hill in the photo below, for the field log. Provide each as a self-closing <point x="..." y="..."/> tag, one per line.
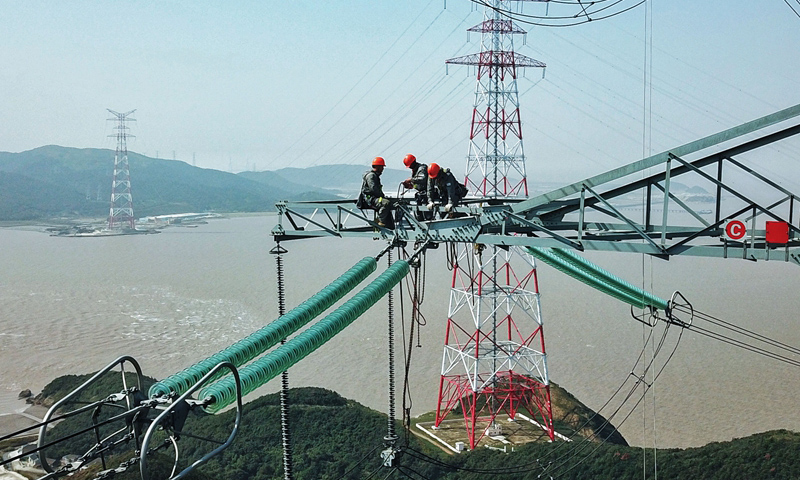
<point x="345" y="179"/>
<point x="55" y="181"/>
<point x="336" y="438"/>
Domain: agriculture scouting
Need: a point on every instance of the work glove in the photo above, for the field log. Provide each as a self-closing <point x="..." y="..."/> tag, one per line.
<point x="384" y="202"/>
<point x="448" y="207"/>
<point x="407" y="183"/>
<point x="430" y="206"/>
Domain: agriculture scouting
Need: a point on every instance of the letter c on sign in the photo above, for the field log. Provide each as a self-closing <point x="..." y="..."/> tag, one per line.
<point x="735" y="230"/>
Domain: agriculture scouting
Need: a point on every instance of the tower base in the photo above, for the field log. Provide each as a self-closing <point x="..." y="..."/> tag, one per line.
<point x="511" y="394"/>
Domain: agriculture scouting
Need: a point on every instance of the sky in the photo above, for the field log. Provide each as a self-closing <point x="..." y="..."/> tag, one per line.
<point x="262" y="85"/>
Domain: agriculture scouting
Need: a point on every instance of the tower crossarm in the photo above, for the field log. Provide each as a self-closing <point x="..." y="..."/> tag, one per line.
<point x="652" y="214"/>
<point x="496" y="58"/>
<point x="787" y="114"/>
<point x="497" y="26"/>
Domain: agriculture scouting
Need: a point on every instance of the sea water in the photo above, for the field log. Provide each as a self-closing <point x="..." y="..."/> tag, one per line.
<point x="72" y="305"/>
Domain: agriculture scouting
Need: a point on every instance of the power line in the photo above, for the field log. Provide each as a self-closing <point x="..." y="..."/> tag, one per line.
<point x="585" y="12"/>
<point x="790" y="6"/>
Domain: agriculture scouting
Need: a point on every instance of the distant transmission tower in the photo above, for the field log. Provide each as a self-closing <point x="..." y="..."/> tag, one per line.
<point x="494" y="358"/>
<point x="121" y="213"/>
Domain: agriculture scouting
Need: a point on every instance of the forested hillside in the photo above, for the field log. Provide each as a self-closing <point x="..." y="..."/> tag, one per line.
<point x="53" y="181"/>
<point x="336" y="438"/>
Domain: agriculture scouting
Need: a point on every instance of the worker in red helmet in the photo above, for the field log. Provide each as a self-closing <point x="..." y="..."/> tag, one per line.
<point x="443" y="184"/>
<point x="419" y="182"/>
<point x="372" y="195"/>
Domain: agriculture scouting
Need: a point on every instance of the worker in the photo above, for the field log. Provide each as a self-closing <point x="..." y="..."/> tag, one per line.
<point x="372" y="193"/>
<point x="442" y="184"/>
<point x="419" y="182"/>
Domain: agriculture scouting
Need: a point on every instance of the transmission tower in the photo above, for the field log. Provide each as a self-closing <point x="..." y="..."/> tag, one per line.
<point x="494" y="357"/>
<point x="121" y="212"/>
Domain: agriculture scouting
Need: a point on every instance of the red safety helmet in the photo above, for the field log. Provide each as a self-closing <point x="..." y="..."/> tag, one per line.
<point x="409" y="160"/>
<point x="433" y="170"/>
<point x="379" y="161"/>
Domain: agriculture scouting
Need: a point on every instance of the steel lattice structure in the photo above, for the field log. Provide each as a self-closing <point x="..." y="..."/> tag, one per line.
<point x="493" y="361"/>
<point x="494" y="355"/>
<point x="495" y="161"/>
<point x="121" y="212"/>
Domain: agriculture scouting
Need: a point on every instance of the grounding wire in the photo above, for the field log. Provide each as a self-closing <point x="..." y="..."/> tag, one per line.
<point x="790" y="6"/>
<point x="741" y="331"/>
<point x="374" y="472"/>
<point x="430" y="85"/>
<point x="738" y="329"/>
<point x="669" y="358"/>
<point x="521" y="18"/>
<point x="576" y="450"/>
<point x="520" y="468"/>
<point x="584" y="12"/>
<point x="639" y="380"/>
<point x="399" y="114"/>
<point x="552" y="17"/>
<point x="745" y="346"/>
<point x="391" y="471"/>
<point x="621" y="99"/>
<point x="368" y="90"/>
<point x="400" y="469"/>
<point x="430" y="119"/>
<point x="366" y="455"/>
<point x="586" y="442"/>
<point x="386" y="52"/>
<point x="406" y="106"/>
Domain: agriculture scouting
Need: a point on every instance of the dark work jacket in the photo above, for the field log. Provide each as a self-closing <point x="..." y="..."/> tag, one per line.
<point x="447" y="187"/>
<point x="419" y="177"/>
<point x="372" y="187"/>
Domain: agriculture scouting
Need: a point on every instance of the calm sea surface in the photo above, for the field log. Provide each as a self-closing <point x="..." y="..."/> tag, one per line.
<point x="72" y="305"/>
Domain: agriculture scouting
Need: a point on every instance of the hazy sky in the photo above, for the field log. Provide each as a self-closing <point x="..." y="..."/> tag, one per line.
<point x="245" y="85"/>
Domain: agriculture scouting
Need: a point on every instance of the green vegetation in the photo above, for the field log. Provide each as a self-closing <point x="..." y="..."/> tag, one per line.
<point x="52" y="181"/>
<point x="336" y="438"/>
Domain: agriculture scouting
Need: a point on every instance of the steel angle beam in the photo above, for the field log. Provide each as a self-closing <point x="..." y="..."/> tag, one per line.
<point x="660" y="158"/>
<point x="334" y="218"/>
<point x="590" y="214"/>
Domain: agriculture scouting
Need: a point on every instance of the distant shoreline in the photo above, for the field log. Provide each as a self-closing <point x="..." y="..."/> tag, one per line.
<point x="22" y="418"/>
<point x="60" y="222"/>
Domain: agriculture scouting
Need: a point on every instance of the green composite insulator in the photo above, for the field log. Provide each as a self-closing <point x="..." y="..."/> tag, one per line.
<point x="646" y="297"/>
<point x="259" y="341"/>
<point x="223" y="392"/>
<point x="594" y="276"/>
<point x="547" y="256"/>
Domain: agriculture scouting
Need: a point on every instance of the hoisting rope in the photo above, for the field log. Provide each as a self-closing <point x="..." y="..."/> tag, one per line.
<point x="587" y="272"/>
<point x="222" y="393"/>
<point x="415" y="285"/>
<point x="258" y="342"/>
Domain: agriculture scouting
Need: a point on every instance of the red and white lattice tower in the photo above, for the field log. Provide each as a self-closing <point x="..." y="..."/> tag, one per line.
<point x="494" y="357"/>
<point x="121" y="212"/>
